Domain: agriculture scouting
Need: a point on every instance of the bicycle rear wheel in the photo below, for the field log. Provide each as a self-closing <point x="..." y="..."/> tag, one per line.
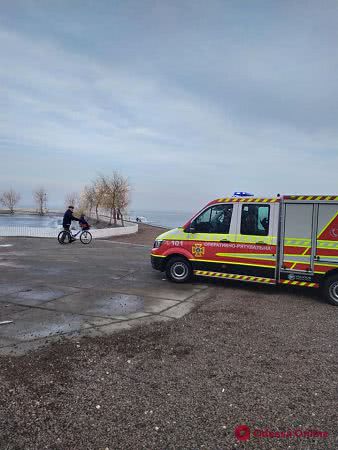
<point x="86" y="237"/>
<point x="64" y="237"/>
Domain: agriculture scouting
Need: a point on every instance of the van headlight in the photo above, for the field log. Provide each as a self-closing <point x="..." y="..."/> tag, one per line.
<point x="158" y="243"/>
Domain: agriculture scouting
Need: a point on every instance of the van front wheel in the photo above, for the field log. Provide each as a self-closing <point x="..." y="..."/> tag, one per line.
<point x="331" y="289"/>
<point x="178" y="269"/>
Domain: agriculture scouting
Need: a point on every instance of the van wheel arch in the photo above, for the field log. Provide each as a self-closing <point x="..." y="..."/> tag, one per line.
<point x="329" y="286"/>
<point x="330" y="274"/>
<point x="178" y="268"/>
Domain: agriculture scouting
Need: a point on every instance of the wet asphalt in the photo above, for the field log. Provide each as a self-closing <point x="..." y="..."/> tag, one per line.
<point x="48" y="290"/>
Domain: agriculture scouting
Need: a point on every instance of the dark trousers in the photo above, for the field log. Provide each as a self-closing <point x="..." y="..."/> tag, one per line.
<point x="65" y="228"/>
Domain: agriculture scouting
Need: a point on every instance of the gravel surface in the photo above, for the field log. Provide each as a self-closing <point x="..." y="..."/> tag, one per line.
<point x="251" y="355"/>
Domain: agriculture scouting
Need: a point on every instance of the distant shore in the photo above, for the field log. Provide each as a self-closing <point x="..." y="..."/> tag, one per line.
<point x="31" y="211"/>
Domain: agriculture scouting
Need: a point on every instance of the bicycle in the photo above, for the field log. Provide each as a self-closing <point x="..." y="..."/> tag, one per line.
<point x="65" y="236"/>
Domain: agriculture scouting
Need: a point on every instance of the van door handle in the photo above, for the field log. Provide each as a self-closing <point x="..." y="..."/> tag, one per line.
<point x="261" y="243"/>
<point x="225" y="240"/>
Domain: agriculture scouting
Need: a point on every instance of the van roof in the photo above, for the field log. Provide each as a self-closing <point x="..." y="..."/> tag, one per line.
<point x="277" y="199"/>
<point x="246" y="200"/>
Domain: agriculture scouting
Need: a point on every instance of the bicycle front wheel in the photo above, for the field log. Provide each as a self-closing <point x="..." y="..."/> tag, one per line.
<point x="64" y="237"/>
<point x="86" y="237"/>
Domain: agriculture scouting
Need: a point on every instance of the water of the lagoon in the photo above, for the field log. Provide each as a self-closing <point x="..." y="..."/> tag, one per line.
<point x="27" y="220"/>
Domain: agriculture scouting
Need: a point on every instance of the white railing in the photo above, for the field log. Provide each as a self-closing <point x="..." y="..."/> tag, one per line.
<point x="119" y="231"/>
<point x="53" y="232"/>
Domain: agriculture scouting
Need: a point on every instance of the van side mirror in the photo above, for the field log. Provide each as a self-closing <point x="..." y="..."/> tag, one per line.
<point x="190" y="229"/>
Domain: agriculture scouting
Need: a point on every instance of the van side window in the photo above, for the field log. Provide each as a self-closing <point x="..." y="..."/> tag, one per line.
<point x="255" y="220"/>
<point x="216" y="219"/>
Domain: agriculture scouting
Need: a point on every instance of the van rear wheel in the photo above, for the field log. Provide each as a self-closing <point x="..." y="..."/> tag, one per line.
<point x="178" y="269"/>
<point x="331" y="289"/>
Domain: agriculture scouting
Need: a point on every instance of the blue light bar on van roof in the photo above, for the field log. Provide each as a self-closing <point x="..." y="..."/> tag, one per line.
<point x="243" y="194"/>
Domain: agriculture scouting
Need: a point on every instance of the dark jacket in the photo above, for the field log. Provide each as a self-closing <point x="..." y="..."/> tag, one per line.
<point x="68" y="217"/>
<point x="83" y="224"/>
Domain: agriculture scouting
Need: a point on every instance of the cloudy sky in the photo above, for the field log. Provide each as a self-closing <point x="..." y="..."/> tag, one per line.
<point x="190" y="99"/>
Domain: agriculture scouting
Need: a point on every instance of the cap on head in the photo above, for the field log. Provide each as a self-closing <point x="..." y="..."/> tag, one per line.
<point x="70" y="207"/>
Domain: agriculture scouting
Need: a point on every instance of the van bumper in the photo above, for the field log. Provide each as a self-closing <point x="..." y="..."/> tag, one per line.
<point x="157" y="262"/>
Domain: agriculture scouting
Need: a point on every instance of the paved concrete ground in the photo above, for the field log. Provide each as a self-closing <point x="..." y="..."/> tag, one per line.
<point x="49" y="290"/>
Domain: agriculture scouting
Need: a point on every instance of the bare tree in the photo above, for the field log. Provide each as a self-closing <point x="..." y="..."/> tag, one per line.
<point x="87" y="199"/>
<point x="40" y="198"/>
<point x="72" y="199"/>
<point x="99" y="188"/>
<point x="108" y="192"/>
<point x="109" y="200"/>
<point x="123" y="197"/>
<point x="116" y="196"/>
<point x="9" y="199"/>
<point x="92" y="196"/>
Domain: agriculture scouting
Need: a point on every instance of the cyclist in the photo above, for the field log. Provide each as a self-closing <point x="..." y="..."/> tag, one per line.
<point x="67" y="221"/>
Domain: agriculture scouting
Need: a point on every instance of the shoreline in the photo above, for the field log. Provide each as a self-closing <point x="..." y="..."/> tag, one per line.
<point x="28" y="211"/>
<point x="146" y="235"/>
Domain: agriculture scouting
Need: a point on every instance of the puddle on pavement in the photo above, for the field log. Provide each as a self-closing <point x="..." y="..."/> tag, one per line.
<point x="24" y="328"/>
<point x="9" y="288"/>
<point x="119" y="304"/>
<point x="52" y="270"/>
<point x="52" y="329"/>
<point x="39" y="323"/>
<point x="40" y="294"/>
<point x="11" y="264"/>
